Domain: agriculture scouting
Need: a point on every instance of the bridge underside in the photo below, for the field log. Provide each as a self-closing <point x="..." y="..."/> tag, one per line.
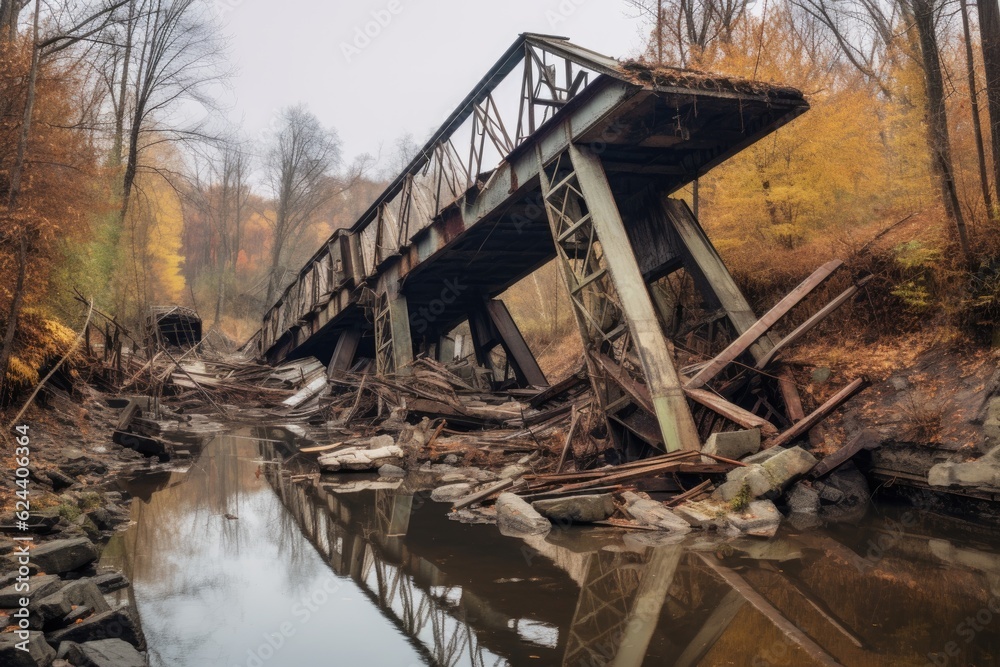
<point x="590" y="188"/>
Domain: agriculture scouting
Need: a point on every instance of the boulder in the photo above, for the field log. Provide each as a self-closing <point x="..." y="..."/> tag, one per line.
<point x="80" y="593"/>
<point x="514" y="471"/>
<point x="760" y="519"/>
<point x="854" y="490"/>
<point x="576" y="509"/>
<point x="516" y="517"/>
<point x="59" y="480"/>
<point x="389" y="470"/>
<point x="105" y="653"/>
<point x="449" y="493"/>
<point x="39" y="653"/>
<point x="983" y="473"/>
<point x="115" y="624"/>
<point x="788" y="466"/>
<point x="803" y="499"/>
<point x="732" y="444"/>
<point x="59" y="556"/>
<point x="39" y="587"/>
<point x="653" y="514"/>
<point x="763" y="455"/>
<point x="699" y="514"/>
<point x="110" y="581"/>
<point x="358" y="459"/>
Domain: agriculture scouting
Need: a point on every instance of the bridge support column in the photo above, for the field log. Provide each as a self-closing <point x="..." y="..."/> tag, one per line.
<point x="492" y="325"/>
<point x="624" y="342"/>
<point x="393" y="344"/>
<point x="343" y="352"/>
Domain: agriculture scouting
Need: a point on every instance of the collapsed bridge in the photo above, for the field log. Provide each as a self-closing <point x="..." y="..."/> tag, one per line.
<point x="560" y="153"/>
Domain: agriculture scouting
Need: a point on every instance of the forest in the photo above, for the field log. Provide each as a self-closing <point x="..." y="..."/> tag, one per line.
<point x="123" y="187"/>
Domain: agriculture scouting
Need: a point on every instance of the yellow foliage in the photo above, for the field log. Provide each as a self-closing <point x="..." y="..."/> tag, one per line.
<point x="40" y="341"/>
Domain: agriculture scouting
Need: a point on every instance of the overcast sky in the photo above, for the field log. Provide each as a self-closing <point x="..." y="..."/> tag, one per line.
<point x="411" y="75"/>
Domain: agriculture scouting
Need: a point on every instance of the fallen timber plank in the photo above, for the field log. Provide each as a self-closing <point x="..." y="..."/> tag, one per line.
<point x="471" y="499"/>
<point x="793" y="403"/>
<point x="130" y="412"/>
<point x="770" y="612"/>
<point x="321" y="448"/>
<point x="839" y="457"/>
<point x="561" y="387"/>
<point x="750" y="336"/>
<point x="569" y="439"/>
<point x="314" y="388"/>
<point x="732" y="412"/>
<point x="678" y="466"/>
<point x="809" y="324"/>
<point x="822" y="412"/>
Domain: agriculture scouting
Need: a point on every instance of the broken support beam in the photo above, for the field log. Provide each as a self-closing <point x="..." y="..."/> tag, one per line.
<point x="822" y="412"/>
<point x="732" y="412"/>
<point x="750" y="336"/>
<point x="808" y="325"/>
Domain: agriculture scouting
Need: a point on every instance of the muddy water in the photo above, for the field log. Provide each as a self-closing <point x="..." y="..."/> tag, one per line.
<point x="236" y="562"/>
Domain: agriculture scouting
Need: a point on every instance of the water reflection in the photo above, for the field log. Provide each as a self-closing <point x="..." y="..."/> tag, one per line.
<point x="412" y="587"/>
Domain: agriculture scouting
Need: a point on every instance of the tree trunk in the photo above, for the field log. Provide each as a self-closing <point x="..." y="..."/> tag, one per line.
<point x="989" y="31"/>
<point x="977" y="127"/>
<point x="119" y="138"/>
<point x="17" y="299"/>
<point x="937" y="118"/>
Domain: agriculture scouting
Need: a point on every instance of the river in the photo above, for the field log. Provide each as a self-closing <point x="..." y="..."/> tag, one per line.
<point x="236" y="561"/>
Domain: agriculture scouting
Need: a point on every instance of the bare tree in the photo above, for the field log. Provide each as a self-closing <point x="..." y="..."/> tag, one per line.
<point x="10" y="12"/>
<point x="685" y="29"/>
<point x="977" y="127"/>
<point x="223" y="197"/>
<point x="298" y="164"/>
<point x="989" y="29"/>
<point x="169" y="51"/>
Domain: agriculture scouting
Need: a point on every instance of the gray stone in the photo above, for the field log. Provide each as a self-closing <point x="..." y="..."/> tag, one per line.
<point x="389" y="470"/>
<point x="102" y="518"/>
<point x="451" y="460"/>
<point x="39" y="653"/>
<point x="732" y="444"/>
<point x="829" y="495"/>
<point x="40" y="587"/>
<point x="856" y="494"/>
<point x="59" y="556"/>
<point x="699" y="514"/>
<point x="82" y="592"/>
<point x="763" y="455"/>
<point x="449" y="493"/>
<point x="516" y="517"/>
<point x="59" y="479"/>
<point x="788" y="466"/>
<point x="653" y="514"/>
<point x="576" y="509"/>
<point x="108" y="653"/>
<point x="380" y="441"/>
<point x="760" y="519"/>
<point x="821" y="374"/>
<point x="981" y="473"/>
<point x="803" y="499"/>
<point x="115" y="624"/>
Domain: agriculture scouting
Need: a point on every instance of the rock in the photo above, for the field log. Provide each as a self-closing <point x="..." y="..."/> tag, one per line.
<point x="754" y="478"/>
<point x="380" y="441"/>
<point x="101" y="518"/>
<point x="732" y="444"/>
<point x="983" y="473"/>
<point x="451" y="460"/>
<point x="59" y="480"/>
<point x="114" y="624"/>
<point x="516" y="517"/>
<point x="788" y="466"/>
<point x="699" y="514"/>
<point x="576" y="509"/>
<point x="110" y="581"/>
<point x="106" y="653"/>
<point x="514" y="471"/>
<point x="88" y="528"/>
<point x="474" y="515"/>
<point x="449" y="493"/>
<point x="6" y="546"/>
<point x="60" y="556"/>
<point x="80" y="593"/>
<point x="389" y="470"/>
<point x="803" y="499"/>
<point x="760" y="519"/>
<point x="653" y="514"/>
<point x="821" y="374"/>
<point x="453" y="478"/>
<point x="763" y="455"/>
<point x="856" y="494"/>
<point x="40" y="587"/>
<point x="829" y="495"/>
<point x="39" y="653"/>
<point x="358" y="459"/>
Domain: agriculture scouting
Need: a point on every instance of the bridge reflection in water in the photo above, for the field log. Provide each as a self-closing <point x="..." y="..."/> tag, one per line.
<point x="464" y="595"/>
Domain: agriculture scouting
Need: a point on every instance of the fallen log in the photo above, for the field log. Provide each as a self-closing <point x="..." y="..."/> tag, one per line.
<point x="821" y="413"/>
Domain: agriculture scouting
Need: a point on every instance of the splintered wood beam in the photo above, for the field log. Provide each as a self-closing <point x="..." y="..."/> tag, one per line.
<point x="808" y="325"/>
<point x="839" y="457"/>
<point x="822" y="412"/>
<point x="745" y="340"/>
<point x="732" y="412"/>
<point x="771" y="613"/>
